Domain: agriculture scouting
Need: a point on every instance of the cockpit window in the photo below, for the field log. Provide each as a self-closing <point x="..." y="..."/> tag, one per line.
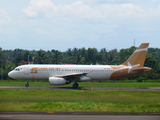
<point x="17" y="69"/>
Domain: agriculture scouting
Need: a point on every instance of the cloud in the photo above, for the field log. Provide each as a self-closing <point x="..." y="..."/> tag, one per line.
<point x="46" y="8"/>
<point x="80" y="9"/>
<point x="153" y="1"/>
<point x="110" y="1"/>
<point x="107" y="19"/>
<point x="39" y="6"/>
<point x="4" y="17"/>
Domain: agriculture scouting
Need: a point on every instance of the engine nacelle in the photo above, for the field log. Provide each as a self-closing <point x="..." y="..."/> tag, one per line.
<point x="57" y="81"/>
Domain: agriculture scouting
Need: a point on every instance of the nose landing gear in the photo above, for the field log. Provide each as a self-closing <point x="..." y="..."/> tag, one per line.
<point x="27" y="85"/>
<point x="75" y="85"/>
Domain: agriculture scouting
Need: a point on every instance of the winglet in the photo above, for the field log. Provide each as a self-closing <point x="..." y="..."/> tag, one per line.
<point x="138" y="57"/>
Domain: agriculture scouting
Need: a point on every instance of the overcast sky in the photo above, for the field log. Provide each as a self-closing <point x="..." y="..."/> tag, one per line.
<point x="63" y="24"/>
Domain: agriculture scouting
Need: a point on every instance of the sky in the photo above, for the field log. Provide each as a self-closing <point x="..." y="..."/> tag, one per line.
<point x="63" y="24"/>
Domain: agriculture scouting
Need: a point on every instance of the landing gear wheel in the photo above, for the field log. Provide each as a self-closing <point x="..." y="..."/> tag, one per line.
<point x="27" y="85"/>
<point x="75" y="85"/>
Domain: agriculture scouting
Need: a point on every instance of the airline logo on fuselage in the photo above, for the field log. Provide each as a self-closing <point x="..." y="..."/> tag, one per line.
<point x="35" y="70"/>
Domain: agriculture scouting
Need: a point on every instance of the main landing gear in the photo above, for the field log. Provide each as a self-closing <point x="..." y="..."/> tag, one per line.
<point x="27" y="85"/>
<point x="75" y="85"/>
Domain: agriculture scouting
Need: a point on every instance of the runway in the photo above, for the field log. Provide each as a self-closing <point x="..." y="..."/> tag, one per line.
<point x="83" y="88"/>
<point x="76" y="116"/>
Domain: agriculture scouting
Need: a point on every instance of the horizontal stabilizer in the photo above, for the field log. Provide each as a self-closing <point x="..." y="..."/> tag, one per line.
<point x="137" y="69"/>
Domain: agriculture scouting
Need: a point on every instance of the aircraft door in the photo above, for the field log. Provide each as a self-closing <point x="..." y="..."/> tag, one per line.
<point x="26" y="73"/>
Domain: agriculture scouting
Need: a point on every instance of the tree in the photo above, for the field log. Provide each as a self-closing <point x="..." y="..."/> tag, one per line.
<point x="10" y="66"/>
<point x="90" y="55"/>
<point x="124" y="54"/>
<point x="25" y="56"/>
<point x="83" y="52"/>
<point x="18" y="59"/>
<point x="79" y="59"/>
<point x="99" y="58"/>
<point x="150" y="62"/>
<point x="57" y="57"/>
<point x="2" y="58"/>
<point x="40" y="58"/>
<point x="69" y="52"/>
<point x="75" y="51"/>
<point x="111" y="57"/>
<point x="71" y="60"/>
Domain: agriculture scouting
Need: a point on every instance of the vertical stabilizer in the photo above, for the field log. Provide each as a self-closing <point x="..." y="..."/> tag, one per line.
<point x="138" y="57"/>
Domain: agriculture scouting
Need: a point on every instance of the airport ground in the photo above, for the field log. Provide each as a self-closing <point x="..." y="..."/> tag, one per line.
<point x="109" y="83"/>
<point x="64" y="100"/>
<point x="142" y="98"/>
<point x="75" y="116"/>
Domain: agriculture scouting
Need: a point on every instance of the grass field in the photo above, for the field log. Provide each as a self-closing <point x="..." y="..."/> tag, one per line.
<point x="80" y="101"/>
<point x="110" y="83"/>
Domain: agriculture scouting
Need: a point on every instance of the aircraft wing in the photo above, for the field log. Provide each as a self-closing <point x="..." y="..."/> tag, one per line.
<point x="72" y="76"/>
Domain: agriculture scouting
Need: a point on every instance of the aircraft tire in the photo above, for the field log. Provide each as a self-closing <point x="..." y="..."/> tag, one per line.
<point x="27" y="85"/>
<point x="75" y="85"/>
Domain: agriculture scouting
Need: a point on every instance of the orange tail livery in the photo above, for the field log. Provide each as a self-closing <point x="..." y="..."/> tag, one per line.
<point x="134" y="65"/>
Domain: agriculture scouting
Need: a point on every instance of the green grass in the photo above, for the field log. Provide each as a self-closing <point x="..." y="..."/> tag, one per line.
<point x="110" y="83"/>
<point x="80" y="101"/>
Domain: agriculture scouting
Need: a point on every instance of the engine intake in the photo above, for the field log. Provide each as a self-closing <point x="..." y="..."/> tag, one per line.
<point x="57" y="81"/>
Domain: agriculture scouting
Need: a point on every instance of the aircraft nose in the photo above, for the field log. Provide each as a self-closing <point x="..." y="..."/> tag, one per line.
<point x="11" y="74"/>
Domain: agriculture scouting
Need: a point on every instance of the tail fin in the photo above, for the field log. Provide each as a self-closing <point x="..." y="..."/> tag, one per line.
<point x="138" y="57"/>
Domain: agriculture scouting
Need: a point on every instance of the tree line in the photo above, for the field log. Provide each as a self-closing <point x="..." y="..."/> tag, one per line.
<point x="13" y="58"/>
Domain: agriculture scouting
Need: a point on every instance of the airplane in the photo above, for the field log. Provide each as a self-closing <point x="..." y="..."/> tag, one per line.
<point x="65" y="74"/>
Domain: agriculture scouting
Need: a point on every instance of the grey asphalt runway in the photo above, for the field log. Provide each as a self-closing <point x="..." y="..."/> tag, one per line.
<point x="83" y="88"/>
<point x="76" y="116"/>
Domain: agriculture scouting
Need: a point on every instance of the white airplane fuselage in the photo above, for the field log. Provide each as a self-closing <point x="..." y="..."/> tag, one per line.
<point x="43" y="72"/>
<point x="65" y="74"/>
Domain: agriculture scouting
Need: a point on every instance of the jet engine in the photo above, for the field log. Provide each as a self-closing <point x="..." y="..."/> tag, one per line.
<point x="57" y="81"/>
